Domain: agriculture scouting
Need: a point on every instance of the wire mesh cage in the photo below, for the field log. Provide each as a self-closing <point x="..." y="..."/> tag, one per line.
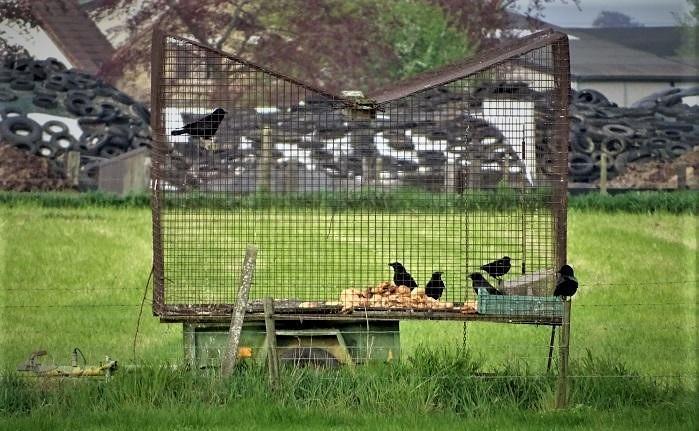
<point x="443" y="173"/>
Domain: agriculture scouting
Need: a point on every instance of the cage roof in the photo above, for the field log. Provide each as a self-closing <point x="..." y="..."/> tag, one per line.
<point x="468" y="66"/>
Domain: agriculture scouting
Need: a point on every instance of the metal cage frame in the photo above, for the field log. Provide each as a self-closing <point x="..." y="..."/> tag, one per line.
<point x="558" y="43"/>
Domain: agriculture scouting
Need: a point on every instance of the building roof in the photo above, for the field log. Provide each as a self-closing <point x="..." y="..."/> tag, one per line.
<point x="611" y="54"/>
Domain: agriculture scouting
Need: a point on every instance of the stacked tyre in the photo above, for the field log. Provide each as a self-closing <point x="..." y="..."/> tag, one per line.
<point x="110" y="121"/>
<point x="659" y="127"/>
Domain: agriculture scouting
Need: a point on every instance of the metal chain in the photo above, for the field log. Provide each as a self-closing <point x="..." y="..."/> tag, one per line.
<point x="464" y="339"/>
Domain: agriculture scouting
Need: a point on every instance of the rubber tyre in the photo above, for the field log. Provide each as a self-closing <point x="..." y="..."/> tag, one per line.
<point x="22" y="84"/>
<point x="50" y="126"/>
<point x="673" y="134"/>
<point x="59" y="82"/>
<point x="614" y="145"/>
<point x="6" y="75"/>
<point x="88" y="94"/>
<point x="618" y="130"/>
<point x="676" y="149"/>
<point x="29" y="147"/>
<point x="44" y="149"/>
<point x="64" y="141"/>
<point x="8" y="111"/>
<point x="7" y="95"/>
<point x="108" y="151"/>
<point x="45" y="101"/>
<point x="580" y="164"/>
<point x="11" y="125"/>
<point x="81" y="80"/>
<point x="93" y="142"/>
<point x="140" y="110"/>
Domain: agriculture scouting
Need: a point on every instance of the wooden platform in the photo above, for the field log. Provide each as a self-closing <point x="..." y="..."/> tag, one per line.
<point x="292" y="310"/>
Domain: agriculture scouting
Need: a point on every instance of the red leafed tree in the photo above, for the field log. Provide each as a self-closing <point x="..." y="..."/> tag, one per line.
<point x="334" y="44"/>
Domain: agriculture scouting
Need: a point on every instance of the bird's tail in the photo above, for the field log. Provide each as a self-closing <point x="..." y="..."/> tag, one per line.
<point x="178" y="132"/>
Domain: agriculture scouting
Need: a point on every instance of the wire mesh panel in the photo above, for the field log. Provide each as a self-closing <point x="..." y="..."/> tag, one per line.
<point x="349" y="197"/>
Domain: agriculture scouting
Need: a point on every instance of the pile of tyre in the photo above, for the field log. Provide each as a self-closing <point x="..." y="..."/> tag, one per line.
<point x="658" y="127"/>
<point x="110" y="121"/>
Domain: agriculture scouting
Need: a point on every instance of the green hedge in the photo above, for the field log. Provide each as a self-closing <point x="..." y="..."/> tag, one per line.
<point x="399" y="200"/>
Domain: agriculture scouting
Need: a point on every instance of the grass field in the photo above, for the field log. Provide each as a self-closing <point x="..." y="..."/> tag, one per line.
<point x="75" y="277"/>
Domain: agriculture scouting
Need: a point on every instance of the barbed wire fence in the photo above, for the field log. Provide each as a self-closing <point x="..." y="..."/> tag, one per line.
<point x="669" y="357"/>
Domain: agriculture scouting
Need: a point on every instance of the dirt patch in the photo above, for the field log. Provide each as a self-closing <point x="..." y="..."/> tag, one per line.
<point x="657" y="174"/>
<point x="23" y="172"/>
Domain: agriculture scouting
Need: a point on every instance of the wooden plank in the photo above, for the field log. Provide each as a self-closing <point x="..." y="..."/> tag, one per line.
<point x="238" y="316"/>
<point x="272" y="353"/>
<point x="360" y="315"/>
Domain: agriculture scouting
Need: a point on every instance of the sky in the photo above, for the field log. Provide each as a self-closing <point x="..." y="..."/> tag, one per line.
<point x="647" y="12"/>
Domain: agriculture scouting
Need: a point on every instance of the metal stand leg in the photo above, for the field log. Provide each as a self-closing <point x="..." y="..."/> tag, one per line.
<point x="553" y="336"/>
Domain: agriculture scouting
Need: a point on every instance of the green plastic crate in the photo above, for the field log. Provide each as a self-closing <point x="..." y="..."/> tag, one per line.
<point x="518" y="305"/>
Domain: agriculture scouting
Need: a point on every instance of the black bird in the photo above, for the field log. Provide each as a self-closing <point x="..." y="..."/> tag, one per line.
<point x="204" y="127"/>
<point x="497" y="268"/>
<point x="435" y="287"/>
<point x="481" y="283"/>
<point x="401" y="277"/>
<point x="566" y="283"/>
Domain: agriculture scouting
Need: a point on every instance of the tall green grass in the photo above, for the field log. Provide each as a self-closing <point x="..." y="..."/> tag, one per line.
<point x="676" y="202"/>
<point x="430" y="380"/>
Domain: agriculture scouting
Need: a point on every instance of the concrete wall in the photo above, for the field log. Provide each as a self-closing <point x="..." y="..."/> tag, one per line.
<point x="625" y="93"/>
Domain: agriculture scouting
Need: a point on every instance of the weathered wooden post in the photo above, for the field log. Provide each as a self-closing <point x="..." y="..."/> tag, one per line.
<point x="450" y="176"/>
<point x="71" y="160"/>
<point x="681" y="176"/>
<point x="271" y="332"/>
<point x="241" y="302"/>
<point x="603" y="174"/>
<point x="266" y="160"/>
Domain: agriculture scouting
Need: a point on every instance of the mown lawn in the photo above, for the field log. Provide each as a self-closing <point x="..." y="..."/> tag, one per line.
<point x="75" y="277"/>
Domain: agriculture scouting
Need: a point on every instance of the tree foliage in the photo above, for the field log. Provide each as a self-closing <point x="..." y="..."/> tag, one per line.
<point x="608" y="18"/>
<point x="334" y="44"/>
<point x="690" y="31"/>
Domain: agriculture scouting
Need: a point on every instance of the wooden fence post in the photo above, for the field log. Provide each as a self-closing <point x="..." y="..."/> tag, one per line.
<point x="71" y="159"/>
<point x="681" y="176"/>
<point x="603" y="174"/>
<point x="266" y="160"/>
<point x="563" y="351"/>
<point x="231" y="354"/>
<point x="271" y="331"/>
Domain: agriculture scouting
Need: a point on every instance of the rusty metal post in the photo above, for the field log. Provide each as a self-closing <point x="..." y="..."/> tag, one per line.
<point x="158" y="157"/>
<point x="563" y="356"/>
<point x="248" y="270"/>
<point x="561" y="76"/>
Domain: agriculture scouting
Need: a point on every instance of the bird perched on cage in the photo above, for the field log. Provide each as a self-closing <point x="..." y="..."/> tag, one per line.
<point x="435" y="287"/>
<point x="480" y="283"/>
<point x="401" y="277"/>
<point x="498" y="268"/>
<point x="204" y="127"/>
<point x="566" y="283"/>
